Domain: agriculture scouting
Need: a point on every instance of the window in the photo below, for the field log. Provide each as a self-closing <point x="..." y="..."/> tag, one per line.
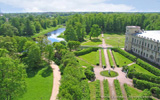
<point x="132" y="39"/>
<point x="148" y="45"/>
<point x="137" y="41"/>
<point x="146" y="55"/>
<point x="154" y="47"/>
<point x="151" y="46"/>
<point x="145" y="44"/>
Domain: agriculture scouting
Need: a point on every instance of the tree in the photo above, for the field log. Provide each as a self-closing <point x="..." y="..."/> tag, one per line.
<point x="55" y="22"/>
<point x="146" y="95"/>
<point x="70" y="34"/>
<point x="95" y="31"/>
<point x="49" y="52"/>
<point x="29" y="28"/>
<point x="73" y="44"/>
<point x="38" y="27"/>
<point x="8" y="30"/>
<point x="80" y="31"/>
<point x="12" y="78"/>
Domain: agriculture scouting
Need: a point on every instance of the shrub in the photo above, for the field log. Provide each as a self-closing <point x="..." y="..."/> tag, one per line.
<point x="127" y="91"/>
<point x="110" y="59"/>
<point x="115" y="58"/>
<point x="89" y="74"/>
<point x="98" y="93"/>
<point x="155" y="91"/>
<point x="141" y="84"/>
<point x="97" y="58"/>
<point x="106" y="90"/>
<point x="151" y="78"/>
<point x="124" y="53"/>
<point x="148" y="67"/>
<point x="118" y="89"/>
<point x="85" y="51"/>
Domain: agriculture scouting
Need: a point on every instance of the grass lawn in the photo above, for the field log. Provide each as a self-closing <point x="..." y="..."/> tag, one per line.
<point x="92" y="89"/>
<point x="83" y="63"/>
<point x="114" y="39"/>
<point x="93" y="42"/>
<point x="140" y="69"/>
<point x="122" y="60"/>
<point x="90" y="57"/>
<point x="103" y="58"/>
<point x="45" y="31"/>
<point x="39" y="84"/>
<point x="133" y="91"/>
<point x="112" y="73"/>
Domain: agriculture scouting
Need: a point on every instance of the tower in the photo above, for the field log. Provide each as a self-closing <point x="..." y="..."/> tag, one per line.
<point x="130" y="30"/>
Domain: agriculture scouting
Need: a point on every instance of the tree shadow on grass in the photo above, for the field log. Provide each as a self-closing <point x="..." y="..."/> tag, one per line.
<point x="47" y="71"/>
<point x="96" y="40"/>
<point x="31" y="72"/>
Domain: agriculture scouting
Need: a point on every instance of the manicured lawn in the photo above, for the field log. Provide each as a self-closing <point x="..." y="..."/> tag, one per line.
<point x="114" y="39"/>
<point x="110" y="58"/>
<point x="140" y="69"/>
<point x="122" y="60"/>
<point x="83" y="63"/>
<point x="106" y="90"/>
<point x="39" y="84"/>
<point x="103" y="58"/>
<point x="90" y="57"/>
<point x="45" y="31"/>
<point x="133" y="91"/>
<point x="92" y="88"/>
<point x="93" y="42"/>
<point x="106" y="73"/>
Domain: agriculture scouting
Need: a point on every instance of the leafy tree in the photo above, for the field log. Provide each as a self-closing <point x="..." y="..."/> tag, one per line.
<point x="80" y="31"/>
<point x="146" y="95"/>
<point x="29" y="28"/>
<point x="95" y="31"/>
<point x="70" y="34"/>
<point x="73" y="44"/>
<point x="49" y="52"/>
<point x="55" y="22"/>
<point x="38" y="27"/>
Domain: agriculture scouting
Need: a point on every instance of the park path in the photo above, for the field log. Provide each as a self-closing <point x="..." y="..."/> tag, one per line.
<point x="131" y="64"/>
<point x="56" y="81"/>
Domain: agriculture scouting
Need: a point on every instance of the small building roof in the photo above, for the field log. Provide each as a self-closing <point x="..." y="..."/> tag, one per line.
<point x="150" y="34"/>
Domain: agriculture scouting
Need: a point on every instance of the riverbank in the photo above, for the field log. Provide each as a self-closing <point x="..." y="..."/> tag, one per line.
<point x="47" y="31"/>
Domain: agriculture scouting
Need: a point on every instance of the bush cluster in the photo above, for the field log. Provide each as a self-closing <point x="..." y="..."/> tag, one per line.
<point x="142" y="84"/>
<point x="115" y="58"/>
<point x="155" y="91"/>
<point x="124" y="53"/>
<point x="106" y="90"/>
<point x="118" y="89"/>
<point x="110" y="59"/>
<point x="142" y="76"/>
<point x="85" y="51"/>
<point x="90" y="73"/>
<point x="97" y="58"/>
<point x="148" y="67"/>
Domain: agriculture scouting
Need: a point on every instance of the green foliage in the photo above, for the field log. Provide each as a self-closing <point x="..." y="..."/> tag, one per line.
<point x="118" y="89"/>
<point x="106" y="90"/>
<point x="107" y="74"/>
<point x="12" y="78"/>
<point x="110" y="59"/>
<point x="80" y="31"/>
<point x="115" y="58"/>
<point x="95" y="31"/>
<point x="128" y="92"/>
<point x="97" y="58"/>
<point x="73" y="45"/>
<point x="98" y="92"/>
<point x="85" y="51"/>
<point x="103" y="58"/>
<point x="155" y="91"/>
<point x="124" y="53"/>
<point x="89" y="73"/>
<point x="85" y="88"/>
<point x="70" y="34"/>
<point x="148" y="67"/>
<point x="146" y="95"/>
<point x="142" y="84"/>
<point x="92" y="88"/>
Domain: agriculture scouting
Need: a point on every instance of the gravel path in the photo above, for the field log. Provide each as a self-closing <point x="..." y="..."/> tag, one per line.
<point x="56" y="81"/>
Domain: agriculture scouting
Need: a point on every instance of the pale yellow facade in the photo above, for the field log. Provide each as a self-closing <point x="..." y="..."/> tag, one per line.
<point x="144" y="43"/>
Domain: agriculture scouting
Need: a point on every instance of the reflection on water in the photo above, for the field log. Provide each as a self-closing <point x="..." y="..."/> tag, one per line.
<point x="52" y="36"/>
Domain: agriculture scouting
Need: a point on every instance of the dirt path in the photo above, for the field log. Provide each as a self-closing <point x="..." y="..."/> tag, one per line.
<point x="131" y="64"/>
<point x="123" y="92"/>
<point x="102" y="90"/>
<point x="56" y="81"/>
<point x="100" y="58"/>
<point x="113" y="58"/>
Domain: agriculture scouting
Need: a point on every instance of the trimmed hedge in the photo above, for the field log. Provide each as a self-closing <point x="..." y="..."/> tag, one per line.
<point x="127" y="91"/>
<point x="124" y="53"/>
<point x="155" y="91"/>
<point x="118" y="90"/>
<point x="115" y="58"/>
<point x="97" y="58"/>
<point x="150" y="78"/>
<point x="103" y="58"/>
<point x="106" y="90"/>
<point x="141" y="84"/>
<point x="98" y="92"/>
<point x="85" y="51"/>
<point x="110" y="59"/>
<point x="148" y="67"/>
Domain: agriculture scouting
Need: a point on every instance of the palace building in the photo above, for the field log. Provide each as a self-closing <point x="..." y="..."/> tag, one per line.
<point x="143" y="43"/>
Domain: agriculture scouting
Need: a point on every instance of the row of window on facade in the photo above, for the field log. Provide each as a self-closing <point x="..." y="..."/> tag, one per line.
<point x="151" y="46"/>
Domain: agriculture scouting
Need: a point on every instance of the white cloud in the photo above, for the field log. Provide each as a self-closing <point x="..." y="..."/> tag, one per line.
<point x="67" y="5"/>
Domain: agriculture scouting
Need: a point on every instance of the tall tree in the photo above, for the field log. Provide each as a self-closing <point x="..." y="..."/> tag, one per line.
<point x="95" y="31"/>
<point x="70" y="34"/>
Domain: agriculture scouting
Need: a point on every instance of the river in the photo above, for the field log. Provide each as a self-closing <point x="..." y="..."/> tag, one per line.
<point x="52" y="36"/>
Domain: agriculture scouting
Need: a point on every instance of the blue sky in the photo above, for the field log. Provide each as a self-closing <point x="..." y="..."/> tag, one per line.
<point x="13" y="6"/>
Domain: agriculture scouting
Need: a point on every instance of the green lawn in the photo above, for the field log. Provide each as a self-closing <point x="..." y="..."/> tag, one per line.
<point x="140" y="69"/>
<point x="83" y="63"/>
<point x="92" y="89"/>
<point x="103" y="58"/>
<point x="93" y="42"/>
<point x="122" y="60"/>
<point x="45" y="31"/>
<point x="39" y="84"/>
<point x="106" y="73"/>
<point x="114" y="39"/>
<point x="90" y="57"/>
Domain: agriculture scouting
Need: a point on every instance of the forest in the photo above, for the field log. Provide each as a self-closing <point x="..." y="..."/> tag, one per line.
<point x="20" y="53"/>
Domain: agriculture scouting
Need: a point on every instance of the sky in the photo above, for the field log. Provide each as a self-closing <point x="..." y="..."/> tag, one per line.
<point x="18" y="6"/>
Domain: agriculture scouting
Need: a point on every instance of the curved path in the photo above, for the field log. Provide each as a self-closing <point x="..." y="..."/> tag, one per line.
<point x="56" y="80"/>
